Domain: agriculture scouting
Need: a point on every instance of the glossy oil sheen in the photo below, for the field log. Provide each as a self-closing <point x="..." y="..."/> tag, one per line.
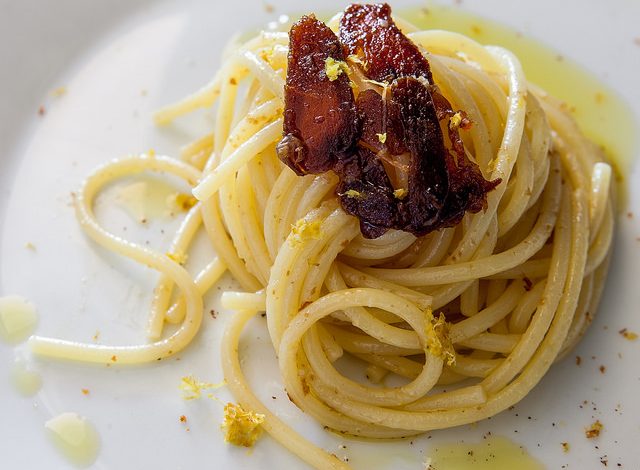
<point x="492" y="453"/>
<point x="26" y="381"/>
<point x="75" y="438"/>
<point x="18" y="319"/>
<point x="601" y="114"/>
<point x="145" y="198"/>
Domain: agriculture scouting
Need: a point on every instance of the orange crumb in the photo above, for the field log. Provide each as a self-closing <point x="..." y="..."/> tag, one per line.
<point x="593" y="430"/>
<point x="183" y="419"/>
<point x="114" y="358"/>
<point x="85" y="391"/>
<point x="630" y="335"/>
<point x="59" y="92"/>
<point x="42" y="110"/>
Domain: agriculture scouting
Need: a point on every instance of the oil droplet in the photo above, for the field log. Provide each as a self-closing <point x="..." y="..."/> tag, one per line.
<point x="147" y="198"/>
<point x="25" y="380"/>
<point x="493" y="453"/>
<point x="600" y="112"/>
<point x="18" y="319"/>
<point x="75" y="438"/>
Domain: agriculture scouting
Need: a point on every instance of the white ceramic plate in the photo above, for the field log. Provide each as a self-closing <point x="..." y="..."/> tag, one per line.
<point x="119" y="61"/>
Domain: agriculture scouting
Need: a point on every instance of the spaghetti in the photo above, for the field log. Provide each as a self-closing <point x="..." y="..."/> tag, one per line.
<point x="484" y="307"/>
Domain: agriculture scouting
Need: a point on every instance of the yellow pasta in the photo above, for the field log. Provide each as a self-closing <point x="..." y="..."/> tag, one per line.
<point x="515" y="281"/>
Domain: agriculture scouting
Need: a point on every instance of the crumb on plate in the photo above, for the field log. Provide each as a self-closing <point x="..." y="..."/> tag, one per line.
<point x="59" y="92"/>
<point x="242" y="428"/>
<point x="630" y="335"/>
<point x="594" y="430"/>
<point x="192" y="388"/>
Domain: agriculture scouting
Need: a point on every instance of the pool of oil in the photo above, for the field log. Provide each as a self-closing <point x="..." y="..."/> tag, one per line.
<point x="18" y="319"/>
<point x="75" y="438"/>
<point x="492" y="453"/>
<point x="26" y="381"/>
<point x="600" y="112"/>
<point x="146" y="197"/>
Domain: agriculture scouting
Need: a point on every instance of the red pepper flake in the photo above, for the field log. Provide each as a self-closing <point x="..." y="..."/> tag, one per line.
<point x="630" y="335"/>
<point x="42" y="110"/>
<point x="85" y="391"/>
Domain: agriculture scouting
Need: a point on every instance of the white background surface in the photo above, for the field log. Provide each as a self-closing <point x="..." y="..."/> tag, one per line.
<point x="121" y="60"/>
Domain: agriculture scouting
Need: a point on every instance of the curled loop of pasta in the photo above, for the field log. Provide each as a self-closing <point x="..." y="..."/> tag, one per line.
<point x="516" y="281"/>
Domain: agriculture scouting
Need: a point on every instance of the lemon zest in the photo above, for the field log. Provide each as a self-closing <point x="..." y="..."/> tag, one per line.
<point x="192" y="388"/>
<point x="242" y="427"/>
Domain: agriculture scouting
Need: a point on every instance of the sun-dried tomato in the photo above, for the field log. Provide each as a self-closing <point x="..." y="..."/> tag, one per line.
<point x="387" y="145"/>
<point x="320" y="122"/>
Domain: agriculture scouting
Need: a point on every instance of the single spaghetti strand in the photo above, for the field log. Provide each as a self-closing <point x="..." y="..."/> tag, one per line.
<point x="156" y="350"/>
